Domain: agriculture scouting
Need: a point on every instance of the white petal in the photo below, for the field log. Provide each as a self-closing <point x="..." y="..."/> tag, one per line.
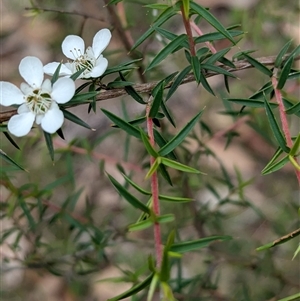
<point x="20" y="125"/>
<point x="51" y="67"/>
<point x="26" y="89"/>
<point x="100" y="68"/>
<point x="46" y="86"/>
<point x="63" y="90"/>
<point x="53" y="119"/>
<point x="73" y="47"/>
<point x="90" y="53"/>
<point x="101" y="40"/>
<point x="39" y="118"/>
<point x="23" y="109"/>
<point x="31" y="69"/>
<point x="10" y="94"/>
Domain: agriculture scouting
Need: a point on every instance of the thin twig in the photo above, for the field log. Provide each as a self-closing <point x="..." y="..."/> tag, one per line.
<point x="147" y="87"/>
<point x="86" y="16"/>
<point x="124" y="37"/>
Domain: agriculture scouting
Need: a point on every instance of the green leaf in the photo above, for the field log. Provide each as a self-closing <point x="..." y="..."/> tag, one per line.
<point x="282" y="53"/>
<point x="119" y="84"/>
<point x="288" y="104"/>
<point x="275" y="166"/>
<point x="294" y="162"/>
<point x="153" y="285"/>
<point x="253" y="103"/>
<point x="179" y="166"/>
<point x="134" y="290"/>
<point x="180" y="77"/>
<point x="161" y="19"/>
<point x="218" y="70"/>
<point x="196" y="68"/>
<point x="166" y="218"/>
<point x="68" y="115"/>
<point x="131" y="91"/>
<point x="77" y="74"/>
<point x="275" y="128"/>
<point x="153" y="167"/>
<point x="186" y="8"/>
<point x="277" y="154"/>
<point x="294" y="75"/>
<point x="295" y="254"/>
<point x="295" y="297"/>
<point x="167" y="113"/>
<point x="188" y="246"/>
<point x="175" y="141"/>
<point x="163" y="171"/>
<point x="158" y="98"/>
<point x="285" y="72"/>
<point x="227" y="62"/>
<point x="165" y="81"/>
<point x="213" y="36"/>
<point x="203" y="53"/>
<point x="81" y="87"/>
<point x="211" y="20"/>
<point x="127" y="196"/>
<point x="174" y="199"/>
<point x="113" y="2"/>
<point x="160" y="140"/>
<point x="280" y="240"/>
<point x="82" y="97"/>
<point x="216" y="56"/>
<point x="138" y="188"/>
<point x="170" y="36"/>
<point x="259" y="66"/>
<point x="295" y="148"/>
<point x="240" y="54"/>
<point x="206" y="85"/>
<point x="9" y="138"/>
<point x="49" y="144"/>
<point x="142" y="225"/>
<point x="10" y="160"/>
<point x="293" y="109"/>
<point x="296" y="51"/>
<point x="165" y="264"/>
<point x="157" y="6"/>
<point x="152" y="152"/>
<point x="166" y="51"/>
<point x="135" y="121"/>
<point x="122" y="67"/>
<point x="93" y="102"/>
<point x="127" y="127"/>
<point x="55" y="76"/>
<point x="264" y="90"/>
<point x="27" y="213"/>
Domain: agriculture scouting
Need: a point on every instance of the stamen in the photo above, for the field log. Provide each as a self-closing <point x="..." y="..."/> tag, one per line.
<point x="39" y="102"/>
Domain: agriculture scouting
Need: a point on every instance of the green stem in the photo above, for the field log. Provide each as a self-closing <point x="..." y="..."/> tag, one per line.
<point x="155" y="192"/>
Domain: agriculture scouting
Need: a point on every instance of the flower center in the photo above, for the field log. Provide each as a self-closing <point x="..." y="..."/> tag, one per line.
<point x="39" y="102"/>
<point x="84" y="62"/>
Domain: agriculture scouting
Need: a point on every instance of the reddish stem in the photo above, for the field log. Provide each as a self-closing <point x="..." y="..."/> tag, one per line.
<point x="188" y="30"/>
<point x="154" y="190"/>
<point x="283" y="118"/>
<point x="200" y="33"/>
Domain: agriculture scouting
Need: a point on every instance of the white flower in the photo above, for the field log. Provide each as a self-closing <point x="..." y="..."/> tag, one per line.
<point x="91" y="59"/>
<point x="38" y="99"/>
